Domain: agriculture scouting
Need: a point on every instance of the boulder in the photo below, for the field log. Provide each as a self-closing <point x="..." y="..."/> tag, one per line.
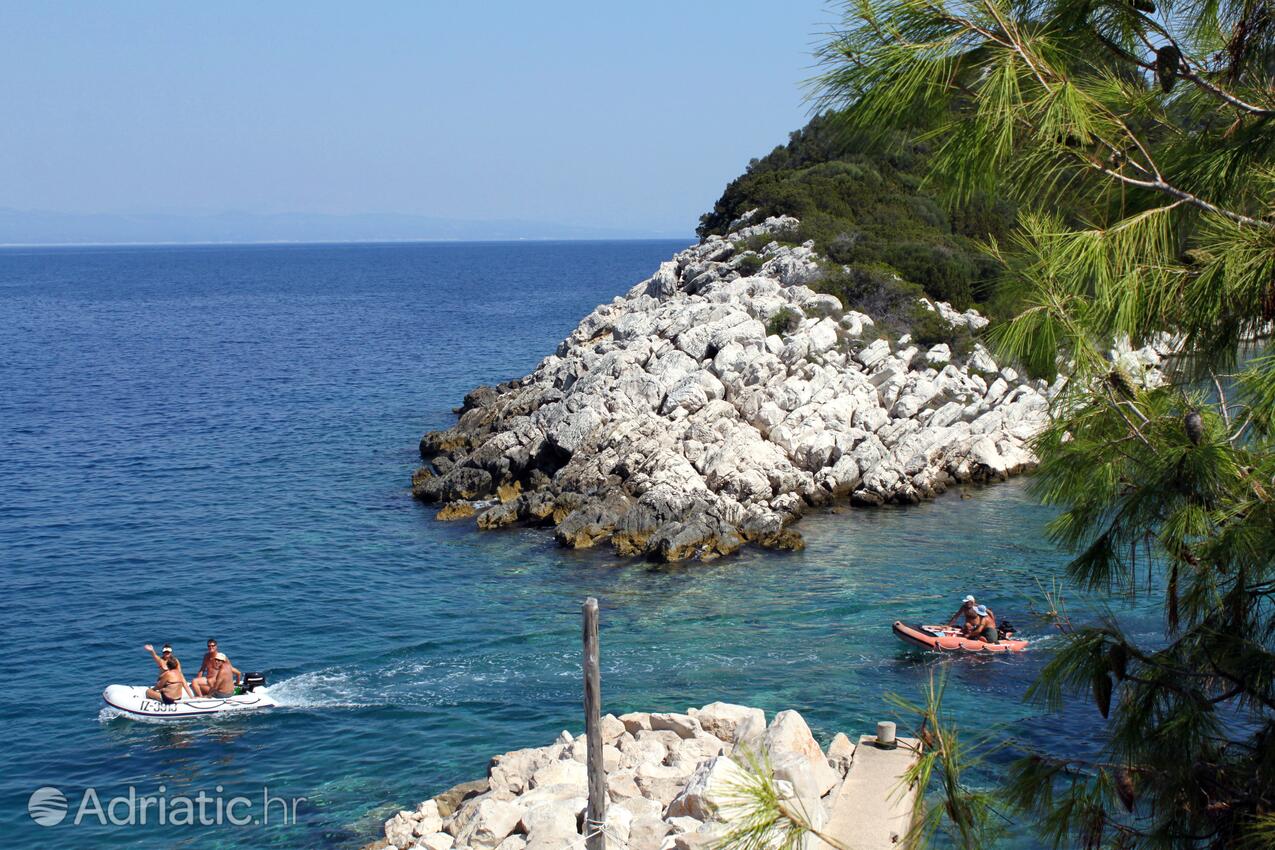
<point x="710" y="792"/>
<point x="788" y="733"/>
<point x="644" y="750"/>
<point x="514" y="770"/>
<point x="491" y="824"/>
<point x="565" y="772"/>
<point x="661" y="789"/>
<point x="428" y="819"/>
<point x="553" y="819"/>
<point x="647" y="832"/>
<point x="612" y="728"/>
<point x="707" y="837"/>
<point x="681" y="824"/>
<point x="683" y="724"/>
<point x="455" y="510"/>
<point x="436" y="841"/>
<point x="447" y="802"/>
<point x="398" y="830"/>
<point x="723" y="719"/>
<point x="635" y="721"/>
<point x="840" y="753"/>
<point x="639" y="807"/>
<point x="622" y="785"/>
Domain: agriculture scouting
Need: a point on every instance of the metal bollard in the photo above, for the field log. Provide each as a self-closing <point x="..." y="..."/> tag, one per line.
<point x="885" y="735"/>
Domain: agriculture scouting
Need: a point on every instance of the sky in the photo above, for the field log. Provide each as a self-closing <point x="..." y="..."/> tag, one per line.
<point x="628" y="116"/>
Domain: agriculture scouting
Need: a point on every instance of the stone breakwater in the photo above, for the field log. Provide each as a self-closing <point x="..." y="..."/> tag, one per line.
<point x="672" y="784"/>
<point x="716" y="401"/>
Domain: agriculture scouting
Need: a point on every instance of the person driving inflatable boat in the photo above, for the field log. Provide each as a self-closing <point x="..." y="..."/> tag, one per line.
<point x="980" y="621"/>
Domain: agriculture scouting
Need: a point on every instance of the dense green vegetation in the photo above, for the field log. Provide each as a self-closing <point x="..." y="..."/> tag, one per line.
<point x="1153" y="122"/>
<point x="864" y="204"/>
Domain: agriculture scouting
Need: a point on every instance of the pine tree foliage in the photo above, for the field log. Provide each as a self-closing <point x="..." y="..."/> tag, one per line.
<point x="1138" y="138"/>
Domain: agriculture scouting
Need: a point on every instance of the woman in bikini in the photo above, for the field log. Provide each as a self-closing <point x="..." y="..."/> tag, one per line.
<point x="168" y="688"/>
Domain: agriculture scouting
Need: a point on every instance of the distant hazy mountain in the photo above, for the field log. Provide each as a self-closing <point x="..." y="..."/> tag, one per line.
<point x="24" y="227"/>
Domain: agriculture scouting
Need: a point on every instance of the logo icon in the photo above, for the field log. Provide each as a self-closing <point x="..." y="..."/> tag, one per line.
<point x="47" y="806"/>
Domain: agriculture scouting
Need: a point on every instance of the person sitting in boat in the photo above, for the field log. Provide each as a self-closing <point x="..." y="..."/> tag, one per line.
<point x="965" y="612"/>
<point x="161" y="660"/>
<point x="222" y="678"/>
<point x="203" y="678"/>
<point x="984" y="625"/>
<point x="168" y="688"/>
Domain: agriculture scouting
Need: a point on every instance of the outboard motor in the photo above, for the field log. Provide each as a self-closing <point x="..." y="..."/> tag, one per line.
<point x="252" y="681"/>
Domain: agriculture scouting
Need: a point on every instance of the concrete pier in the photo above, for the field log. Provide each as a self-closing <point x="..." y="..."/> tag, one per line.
<point x="874" y="810"/>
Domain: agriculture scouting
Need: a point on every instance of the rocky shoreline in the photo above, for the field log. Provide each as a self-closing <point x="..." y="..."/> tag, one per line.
<point x="716" y="401"/>
<point x="672" y="784"/>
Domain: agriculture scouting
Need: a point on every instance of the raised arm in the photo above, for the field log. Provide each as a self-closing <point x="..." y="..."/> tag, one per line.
<point x="159" y="662"/>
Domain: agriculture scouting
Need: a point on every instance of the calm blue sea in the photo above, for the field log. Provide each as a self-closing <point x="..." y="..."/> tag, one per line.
<point x="202" y="441"/>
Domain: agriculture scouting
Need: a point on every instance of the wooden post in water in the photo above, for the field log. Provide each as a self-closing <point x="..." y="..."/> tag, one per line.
<point x="596" y="814"/>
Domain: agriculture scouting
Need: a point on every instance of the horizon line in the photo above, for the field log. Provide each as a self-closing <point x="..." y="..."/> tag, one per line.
<point x="268" y="242"/>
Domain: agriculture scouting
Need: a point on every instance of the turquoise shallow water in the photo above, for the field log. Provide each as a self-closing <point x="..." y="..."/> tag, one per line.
<point x="219" y="440"/>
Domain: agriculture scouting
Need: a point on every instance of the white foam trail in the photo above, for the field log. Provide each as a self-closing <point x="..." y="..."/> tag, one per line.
<point x="320" y="689"/>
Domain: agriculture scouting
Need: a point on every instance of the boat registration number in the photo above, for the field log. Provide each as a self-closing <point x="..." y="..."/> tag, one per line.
<point x="154" y="705"/>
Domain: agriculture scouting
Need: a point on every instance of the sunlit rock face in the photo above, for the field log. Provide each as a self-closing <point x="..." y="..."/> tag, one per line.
<point x="716" y="401"/>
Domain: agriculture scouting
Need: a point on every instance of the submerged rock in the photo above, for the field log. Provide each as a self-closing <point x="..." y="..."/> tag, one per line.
<point x="684" y="419"/>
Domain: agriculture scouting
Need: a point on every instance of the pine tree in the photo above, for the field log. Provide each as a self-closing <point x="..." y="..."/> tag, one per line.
<point x="1138" y="138"/>
<point x="1153" y="128"/>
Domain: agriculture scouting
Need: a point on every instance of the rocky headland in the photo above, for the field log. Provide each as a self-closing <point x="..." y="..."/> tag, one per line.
<point x="719" y="399"/>
<point x="672" y="784"/>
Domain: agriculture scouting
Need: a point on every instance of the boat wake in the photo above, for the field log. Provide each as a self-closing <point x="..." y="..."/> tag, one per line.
<point x="329" y="688"/>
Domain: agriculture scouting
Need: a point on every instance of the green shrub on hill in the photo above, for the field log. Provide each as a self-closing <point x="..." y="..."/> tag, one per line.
<point x="866" y="208"/>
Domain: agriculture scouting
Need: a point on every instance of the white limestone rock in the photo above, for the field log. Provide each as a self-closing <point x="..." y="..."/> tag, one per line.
<point x="552" y="818"/>
<point x="568" y="772"/>
<point x="788" y="733"/>
<point x="841" y="752"/>
<point x="436" y="841"/>
<point x="399" y="830"/>
<point x="683" y="724"/>
<point x="710" y="791"/>
<point x="674" y="423"/>
<point x="491" y="824"/>
<point x="723" y="719"/>
<point x="648" y="832"/>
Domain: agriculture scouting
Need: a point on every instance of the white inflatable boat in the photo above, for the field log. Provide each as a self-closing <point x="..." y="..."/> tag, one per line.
<point x="132" y="700"/>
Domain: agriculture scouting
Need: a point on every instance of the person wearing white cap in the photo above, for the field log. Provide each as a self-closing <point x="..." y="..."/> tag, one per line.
<point x="216" y="676"/>
<point x="161" y="660"/>
<point x="221" y="679"/>
<point x="965" y="612"/>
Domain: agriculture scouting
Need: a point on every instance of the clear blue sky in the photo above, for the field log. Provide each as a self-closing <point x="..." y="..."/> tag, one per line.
<point x="628" y="115"/>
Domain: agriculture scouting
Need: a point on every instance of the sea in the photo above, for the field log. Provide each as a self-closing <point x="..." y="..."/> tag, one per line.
<point x="218" y="441"/>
